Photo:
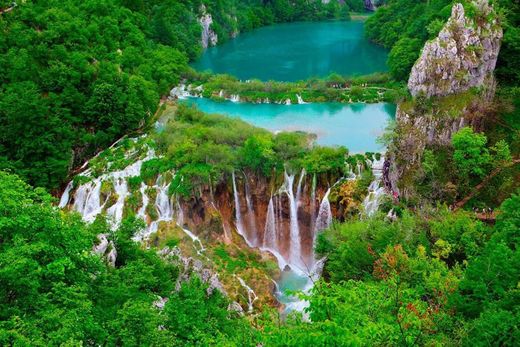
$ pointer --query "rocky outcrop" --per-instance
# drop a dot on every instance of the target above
(463, 55)
(208, 36)
(369, 5)
(414, 135)
(106, 249)
(189, 267)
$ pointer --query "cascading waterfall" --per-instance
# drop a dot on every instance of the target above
(300, 100)
(252, 232)
(238, 213)
(375, 190)
(163, 207)
(251, 296)
(195, 239)
(270, 236)
(66, 195)
(162, 201)
(313, 202)
(299, 188)
(115, 212)
(271, 232)
(278, 211)
(142, 210)
(324, 219)
(295, 240)
(87, 200)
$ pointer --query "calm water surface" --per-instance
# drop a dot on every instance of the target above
(355, 126)
(296, 51)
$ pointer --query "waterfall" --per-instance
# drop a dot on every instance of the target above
(324, 219)
(295, 240)
(238, 213)
(299, 188)
(313, 202)
(163, 207)
(350, 174)
(195, 239)
(375, 190)
(180, 92)
(115, 212)
(279, 219)
(87, 200)
(300, 100)
(250, 214)
(87, 197)
(287, 102)
(270, 236)
(234, 98)
(142, 210)
(271, 232)
(66, 195)
(162, 201)
(251, 296)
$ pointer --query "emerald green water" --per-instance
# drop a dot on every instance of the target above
(355, 126)
(296, 51)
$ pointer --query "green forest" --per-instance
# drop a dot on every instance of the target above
(85, 96)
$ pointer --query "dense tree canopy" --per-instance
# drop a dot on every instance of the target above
(77, 75)
(69, 296)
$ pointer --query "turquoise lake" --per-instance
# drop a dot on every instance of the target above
(355, 126)
(296, 51)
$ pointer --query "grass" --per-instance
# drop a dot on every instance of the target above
(378, 87)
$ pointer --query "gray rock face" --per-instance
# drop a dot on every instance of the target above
(192, 267)
(208, 36)
(369, 5)
(106, 249)
(235, 307)
(462, 56)
(418, 133)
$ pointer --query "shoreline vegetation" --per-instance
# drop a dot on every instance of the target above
(373, 88)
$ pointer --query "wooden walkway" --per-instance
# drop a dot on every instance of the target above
(459, 204)
(9, 9)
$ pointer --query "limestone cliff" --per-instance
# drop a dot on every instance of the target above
(208, 36)
(463, 55)
(442, 82)
(369, 5)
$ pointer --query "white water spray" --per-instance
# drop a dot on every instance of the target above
(251, 296)
(375, 191)
(324, 219)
